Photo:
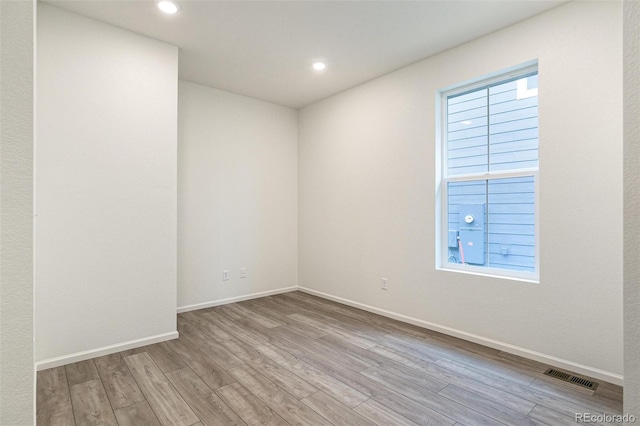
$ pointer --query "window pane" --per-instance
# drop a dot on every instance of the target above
(467, 133)
(492, 223)
(466, 222)
(511, 223)
(494, 128)
(513, 125)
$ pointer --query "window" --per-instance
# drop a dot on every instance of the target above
(488, 194)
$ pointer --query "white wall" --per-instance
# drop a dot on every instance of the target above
(367, 194)
(17, 23)
(631, 207)
(237, 196)
(106, 181)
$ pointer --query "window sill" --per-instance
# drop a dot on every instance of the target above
(527, 277)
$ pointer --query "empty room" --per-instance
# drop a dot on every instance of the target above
(320, 212)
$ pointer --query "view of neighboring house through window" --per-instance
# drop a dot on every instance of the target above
(489, 176)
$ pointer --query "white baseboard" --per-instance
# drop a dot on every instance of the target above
(495, 344)
(105, 350)
(235, 299)
(596, 373)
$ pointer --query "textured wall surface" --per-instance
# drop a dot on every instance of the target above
(237, 195)
(632, 207)
(367, 193)
(106, 182)
(16, 212)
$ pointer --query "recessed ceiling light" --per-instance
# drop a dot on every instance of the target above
(467, 122)
(167, 6)
(319, 66)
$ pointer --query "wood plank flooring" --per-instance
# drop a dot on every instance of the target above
(296, 359)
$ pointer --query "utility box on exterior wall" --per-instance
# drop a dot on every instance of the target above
(471, 223)
(453, 239)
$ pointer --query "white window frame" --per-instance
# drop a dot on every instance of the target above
(442, 216)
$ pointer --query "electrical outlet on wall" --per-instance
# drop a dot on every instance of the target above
(383, 283)
(225, 275)
(243, 272)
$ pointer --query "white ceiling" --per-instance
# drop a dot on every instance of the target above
(264, 49)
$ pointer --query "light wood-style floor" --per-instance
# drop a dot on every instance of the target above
(295, 359)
